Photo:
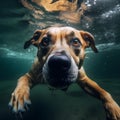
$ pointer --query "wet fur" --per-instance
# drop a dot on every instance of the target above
(59, 35)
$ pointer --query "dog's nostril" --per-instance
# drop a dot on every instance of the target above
(59, 62)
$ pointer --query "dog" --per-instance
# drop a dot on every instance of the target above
(59, 63)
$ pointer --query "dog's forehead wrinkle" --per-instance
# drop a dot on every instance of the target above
(54, 30)
(71, 33)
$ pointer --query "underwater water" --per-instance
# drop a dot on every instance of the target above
(17, 24)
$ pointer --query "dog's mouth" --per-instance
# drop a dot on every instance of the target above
(60, 71)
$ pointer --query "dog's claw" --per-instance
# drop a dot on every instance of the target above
(27, 102)
(27, 107)
(19, 101)
(9, 106)
(21, 108)
(20, 114)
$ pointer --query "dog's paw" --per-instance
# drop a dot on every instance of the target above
(112, 110)
(20, 100)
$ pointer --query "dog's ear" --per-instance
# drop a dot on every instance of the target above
(33, 40)
(89, 39)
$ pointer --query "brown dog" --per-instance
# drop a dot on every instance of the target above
(61, 51)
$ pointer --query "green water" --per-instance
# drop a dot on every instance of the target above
(73, 105)
(58, 105)
(17, 25)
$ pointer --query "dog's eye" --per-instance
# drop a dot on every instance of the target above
(45, 42)
(75, 42)
(36, 36)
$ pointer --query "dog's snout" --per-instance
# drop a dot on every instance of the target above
(59, 63)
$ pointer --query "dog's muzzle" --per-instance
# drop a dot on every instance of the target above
(60, 71)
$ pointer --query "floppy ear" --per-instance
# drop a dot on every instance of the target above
(89, 39)
(32, 41)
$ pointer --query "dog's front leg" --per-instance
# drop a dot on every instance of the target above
(20, 97)
(111, 107)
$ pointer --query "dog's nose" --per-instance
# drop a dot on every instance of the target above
(59, 63)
